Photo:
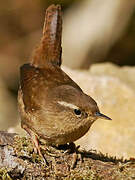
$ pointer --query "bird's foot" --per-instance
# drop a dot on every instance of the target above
(50, 150)
(71, 148)
(76, 155)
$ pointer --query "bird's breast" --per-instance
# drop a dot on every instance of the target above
(69, 134)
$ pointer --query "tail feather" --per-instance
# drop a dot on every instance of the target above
(49, 50)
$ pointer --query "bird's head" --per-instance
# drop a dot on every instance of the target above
(73, 105)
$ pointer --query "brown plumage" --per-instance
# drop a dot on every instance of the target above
(52, 106)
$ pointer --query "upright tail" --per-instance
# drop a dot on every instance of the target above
(49, 50)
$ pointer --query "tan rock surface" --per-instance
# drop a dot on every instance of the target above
(8, 116)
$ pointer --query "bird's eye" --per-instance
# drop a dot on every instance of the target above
(77, 112)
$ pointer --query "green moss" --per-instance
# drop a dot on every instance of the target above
(95, 165)
(4, 174)
(89, 175)
(36, 158)
(22, 146)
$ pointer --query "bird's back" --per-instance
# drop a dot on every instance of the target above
(36, 83)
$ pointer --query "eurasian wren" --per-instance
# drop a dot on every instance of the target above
(52, 106)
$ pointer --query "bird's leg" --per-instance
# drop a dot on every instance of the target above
(71, 148)
(76, 155)
(35, 142)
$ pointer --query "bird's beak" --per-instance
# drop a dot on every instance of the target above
(100, 115)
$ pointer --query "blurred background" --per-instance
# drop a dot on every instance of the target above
(94, 32)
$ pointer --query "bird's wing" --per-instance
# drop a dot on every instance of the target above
(31, 86)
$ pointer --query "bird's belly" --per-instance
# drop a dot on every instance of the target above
(68, 135)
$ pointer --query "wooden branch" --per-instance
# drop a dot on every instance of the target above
(18, 161)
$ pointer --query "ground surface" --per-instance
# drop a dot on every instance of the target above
(18, 161)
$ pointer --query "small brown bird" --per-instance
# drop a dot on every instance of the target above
(52, 106)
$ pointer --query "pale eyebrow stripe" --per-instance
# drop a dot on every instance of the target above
(72, 106)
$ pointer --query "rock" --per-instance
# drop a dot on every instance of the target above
(17, 129)
(113, 88)
(8, 109)
(19, 161)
